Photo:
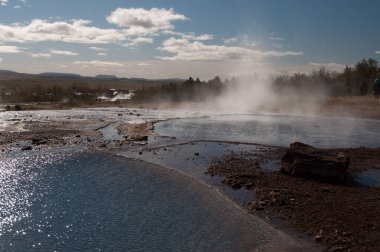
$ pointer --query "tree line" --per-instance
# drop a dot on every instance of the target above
(353, 81)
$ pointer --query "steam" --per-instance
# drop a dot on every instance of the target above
(256, 92)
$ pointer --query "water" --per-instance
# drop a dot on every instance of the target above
(194, 158)
(67, 201)
(276, 130)
(110, 132)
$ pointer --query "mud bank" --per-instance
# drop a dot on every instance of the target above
(340, 216)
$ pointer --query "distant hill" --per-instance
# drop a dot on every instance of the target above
(105, 77)
(8, 74)
(59, 75)
(5, 74)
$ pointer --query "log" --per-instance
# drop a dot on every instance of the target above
(304, 160)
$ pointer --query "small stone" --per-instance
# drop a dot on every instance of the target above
(325, 189)
(318, 238)
(249, 185)
(336, 249)
(196, 153)
(25, 148)
(235, 185)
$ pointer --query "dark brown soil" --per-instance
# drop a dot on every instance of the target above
(340, 215)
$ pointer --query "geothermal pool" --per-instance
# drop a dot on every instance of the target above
(80, 200)
(276, 130)
(83, 201)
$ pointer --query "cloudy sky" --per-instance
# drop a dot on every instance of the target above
(179, 38)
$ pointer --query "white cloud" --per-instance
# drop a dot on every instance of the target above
(102, 54)
(330, 66)
(138, 41)
(143, 64)
(139, 21)
(9, 49)
(98, 49)
(195, 50)
(1, 59)
(136, 26)
(40, 55)
(377, 52)
(4, 2)
(276, 38)
(67, 53)
(98, 63)
(204, 37)
(75, 31)
(17, 7)
(230, 40)
(191, 35)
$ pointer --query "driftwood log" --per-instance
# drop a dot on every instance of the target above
(305, 160)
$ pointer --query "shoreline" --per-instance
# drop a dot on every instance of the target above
(44, 135)
(341, 216)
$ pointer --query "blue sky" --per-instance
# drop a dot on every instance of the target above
(178, 38)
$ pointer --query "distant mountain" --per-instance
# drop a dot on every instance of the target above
(60, 75)
(8, 73)
(173, 80)
(105, 77)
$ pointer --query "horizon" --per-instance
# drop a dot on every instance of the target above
(176, 39)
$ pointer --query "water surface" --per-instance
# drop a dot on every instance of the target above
(276, 130)
(100, 202)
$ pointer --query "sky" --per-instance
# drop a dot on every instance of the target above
(181, 38)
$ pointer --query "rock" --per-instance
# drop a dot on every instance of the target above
(136, 138)
(196, 153)
(318, 238)
(336, 249)
(37, 141)
(325, 189)
(305, 160)
(25, 148)
(249, 185)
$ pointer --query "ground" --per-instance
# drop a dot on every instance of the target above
(342, 215)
